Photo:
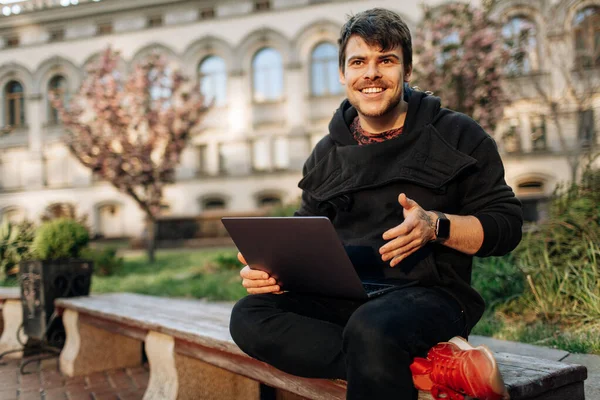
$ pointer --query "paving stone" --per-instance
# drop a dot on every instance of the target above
(8, 394)
(132, 395)
(119, 379)
(55, 394)
(99, 379)
(105, 396)
(30, 395)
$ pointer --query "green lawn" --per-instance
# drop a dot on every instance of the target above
(177, 273)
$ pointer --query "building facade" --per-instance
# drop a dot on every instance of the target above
(270, 68)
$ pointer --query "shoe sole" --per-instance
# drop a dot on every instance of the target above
(497, 383)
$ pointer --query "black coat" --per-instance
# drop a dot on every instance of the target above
(444, 161)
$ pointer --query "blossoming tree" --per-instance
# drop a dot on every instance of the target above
(461, 59)
(131, 131)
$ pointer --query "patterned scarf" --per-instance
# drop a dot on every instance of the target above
(363, 137)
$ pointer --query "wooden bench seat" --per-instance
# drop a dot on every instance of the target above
(192, 355)
(10, 321)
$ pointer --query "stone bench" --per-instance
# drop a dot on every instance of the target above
(10, 321)
(192, 355)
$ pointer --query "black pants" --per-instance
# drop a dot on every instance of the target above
(370, 344)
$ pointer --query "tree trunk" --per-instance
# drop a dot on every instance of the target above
(151, 238)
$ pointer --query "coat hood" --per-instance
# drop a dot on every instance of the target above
(422, 110)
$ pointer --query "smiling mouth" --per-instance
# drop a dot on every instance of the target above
(372, 90)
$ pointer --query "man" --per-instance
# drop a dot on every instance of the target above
(393, 172)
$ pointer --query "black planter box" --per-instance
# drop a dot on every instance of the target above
(41, 283)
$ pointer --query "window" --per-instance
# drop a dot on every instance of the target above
(212, 75)
(15, 104)
(207, 13)
(105, 28)
(12, 42)
(262, 5)
(511, 139)
(267, 74)
(538, 133)
(534, 201)
(56, 87)
(586, 128)
(57, 35)
(324, 70)
(202, 160)
(213, 203)
(451, 48)
(269, 201)
(520, 39)
(586, 26)
(155, 20)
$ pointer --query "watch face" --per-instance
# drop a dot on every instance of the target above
(443, 228)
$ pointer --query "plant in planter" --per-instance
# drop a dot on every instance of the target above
(15, 245)
(56, 270)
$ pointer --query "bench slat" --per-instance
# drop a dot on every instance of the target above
(9, 293)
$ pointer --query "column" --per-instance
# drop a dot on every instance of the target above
(33, 172)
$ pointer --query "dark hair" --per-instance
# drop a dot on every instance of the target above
(380, 27)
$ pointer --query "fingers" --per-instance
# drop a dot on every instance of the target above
(258, 282)
(249, 273)
(406, 203)
(265, 290)
(241, 258)
(403, 229)
(388, 251)
(405, 252)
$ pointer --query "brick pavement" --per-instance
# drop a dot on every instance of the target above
(46, 383)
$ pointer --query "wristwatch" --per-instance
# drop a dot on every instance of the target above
(442, 227)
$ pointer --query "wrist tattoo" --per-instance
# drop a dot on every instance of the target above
(425, 217)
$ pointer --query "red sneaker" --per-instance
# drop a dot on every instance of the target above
(455, 369)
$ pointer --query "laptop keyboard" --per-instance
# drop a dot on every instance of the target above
(371, 287)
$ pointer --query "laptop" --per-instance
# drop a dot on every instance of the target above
(304, 254)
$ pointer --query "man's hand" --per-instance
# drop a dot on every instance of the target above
(255, 281)
(417, 230)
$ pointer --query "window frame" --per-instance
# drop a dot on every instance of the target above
(323, 67)
(53, 117)
(533, 65)
(587, 29)
(19, 114)
(265, 71)
(200, 76)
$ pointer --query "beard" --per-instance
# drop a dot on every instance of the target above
(385, 106)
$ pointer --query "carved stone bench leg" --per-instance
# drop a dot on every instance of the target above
(89, 349)
(12, 314)
(177, 377)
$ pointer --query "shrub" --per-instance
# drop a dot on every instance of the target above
(285, 210)
(106, 262)
(560, 258)
(15, 245)
(497, 279)
(61, 238)
(227, 261)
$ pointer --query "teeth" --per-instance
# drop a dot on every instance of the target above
(372, 90)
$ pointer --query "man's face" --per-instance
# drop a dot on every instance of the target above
(373, 79)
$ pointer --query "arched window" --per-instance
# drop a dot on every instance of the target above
(15, 104)
(520, 38)
(267, 74)
(269, 200)
(213, 203)
(58, 87)
(212, 75)
(586, 28)
(324, 70)
(534, 200)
